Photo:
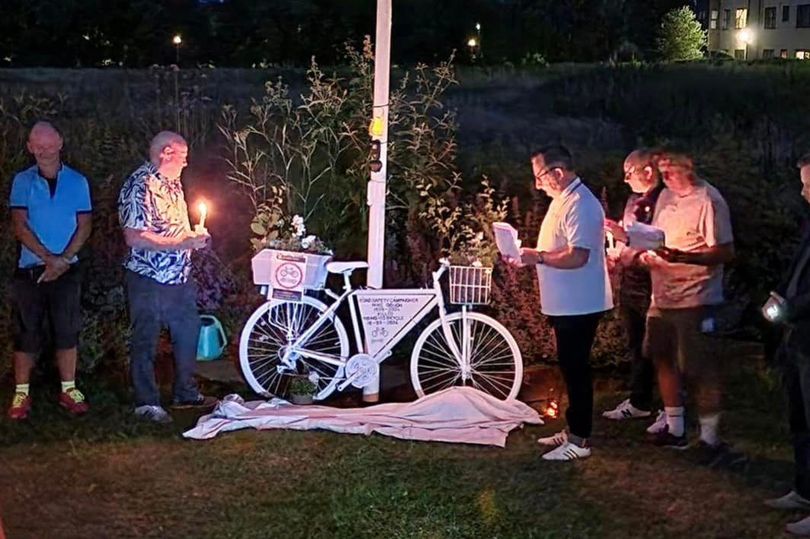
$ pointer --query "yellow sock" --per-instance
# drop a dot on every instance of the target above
(22, 388)
(68, 385)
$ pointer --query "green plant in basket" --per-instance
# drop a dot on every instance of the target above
(473, 249)
(280, 233)
(469, 239)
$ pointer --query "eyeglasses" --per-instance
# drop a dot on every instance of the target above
(544, 172)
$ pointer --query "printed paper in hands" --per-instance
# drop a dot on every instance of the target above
(506, 239)
(641, 236)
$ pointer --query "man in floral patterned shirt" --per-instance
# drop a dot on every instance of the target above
(154, 216)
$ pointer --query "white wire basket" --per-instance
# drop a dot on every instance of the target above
(470, 285)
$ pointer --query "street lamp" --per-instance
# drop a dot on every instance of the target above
(746, 37)
(472, 43)
(177, 40)
(478, 34)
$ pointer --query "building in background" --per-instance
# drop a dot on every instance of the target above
(751, 29)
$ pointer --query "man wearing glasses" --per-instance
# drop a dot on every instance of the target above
(642, 176)
(574, 288)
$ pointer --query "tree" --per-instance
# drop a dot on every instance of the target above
(681, 36)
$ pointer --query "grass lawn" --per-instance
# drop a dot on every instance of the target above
(108, 476)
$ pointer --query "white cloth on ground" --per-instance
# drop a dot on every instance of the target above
(456, 415)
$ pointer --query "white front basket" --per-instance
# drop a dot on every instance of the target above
(266, 261)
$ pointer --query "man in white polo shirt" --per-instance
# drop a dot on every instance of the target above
(574, 287)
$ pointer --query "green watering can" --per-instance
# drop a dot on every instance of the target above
(212, 339)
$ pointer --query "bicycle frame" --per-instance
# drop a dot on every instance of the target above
(351, 294)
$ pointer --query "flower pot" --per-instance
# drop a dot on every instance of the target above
(301, 399)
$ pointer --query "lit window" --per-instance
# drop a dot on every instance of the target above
(713, 20)
(783, 54)
(802, 54)
(770, 18)
(741, 20)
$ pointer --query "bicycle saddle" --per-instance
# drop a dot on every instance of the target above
(345, 267)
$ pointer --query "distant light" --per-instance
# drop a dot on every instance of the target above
(478, 26)
(472, 43)
(178, 39)
(746, 36)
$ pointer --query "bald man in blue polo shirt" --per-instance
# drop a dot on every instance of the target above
(51, 216)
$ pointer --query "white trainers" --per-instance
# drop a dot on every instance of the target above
(555, 440)
(625, 410)
(800, 528)
(791, 501)
(568, 451)
(660, 424)
(155, 414)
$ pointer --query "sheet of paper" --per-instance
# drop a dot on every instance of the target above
(506, 239)
(643, 236)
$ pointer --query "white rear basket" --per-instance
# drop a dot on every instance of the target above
(470, 285)
(265, 262)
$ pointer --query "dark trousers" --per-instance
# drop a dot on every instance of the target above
(151, 307)
(795, 370)
(643, 371)
(575, 336)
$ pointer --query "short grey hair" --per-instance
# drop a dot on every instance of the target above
(161, 141)
(44, 125)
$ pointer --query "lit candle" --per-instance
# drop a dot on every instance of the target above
(203, 211)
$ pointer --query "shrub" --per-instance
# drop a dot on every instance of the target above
(681, 36)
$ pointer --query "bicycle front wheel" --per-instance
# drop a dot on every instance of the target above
(272, 329)
(493, 356)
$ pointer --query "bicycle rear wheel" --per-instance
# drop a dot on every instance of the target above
(269, 332)
(495, 363)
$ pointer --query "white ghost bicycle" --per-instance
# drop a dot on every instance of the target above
(285, 338)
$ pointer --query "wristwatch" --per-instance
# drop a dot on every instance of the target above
(540, 258)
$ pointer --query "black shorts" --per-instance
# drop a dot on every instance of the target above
(59, 301)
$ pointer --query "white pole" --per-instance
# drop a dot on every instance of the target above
(376, 184)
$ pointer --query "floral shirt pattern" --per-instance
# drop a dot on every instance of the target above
(150, 201)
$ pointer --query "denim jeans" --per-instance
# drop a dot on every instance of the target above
(151, 307)
(643, 373)
(794, 365)
(575, 336)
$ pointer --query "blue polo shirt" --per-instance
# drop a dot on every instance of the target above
(52, 217)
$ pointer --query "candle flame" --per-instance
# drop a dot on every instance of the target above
(203, 211)
(553, 409)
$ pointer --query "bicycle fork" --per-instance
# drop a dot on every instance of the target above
(461, 350)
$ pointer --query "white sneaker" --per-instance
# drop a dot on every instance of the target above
(660, 424)
(555, 440)
(568, 451)
(800, 528)
(155, 414)
(792, 501)
(625, 410)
